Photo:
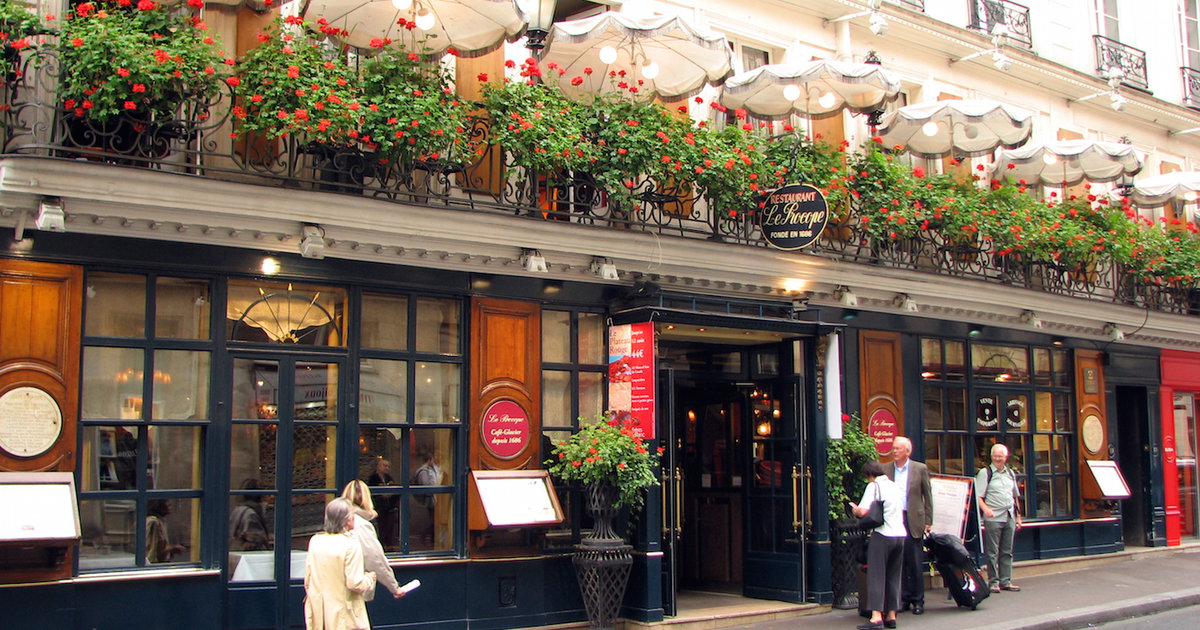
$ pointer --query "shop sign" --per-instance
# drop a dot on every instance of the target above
(631, 376)
(794, 216)
(882, 427)
(505, 429)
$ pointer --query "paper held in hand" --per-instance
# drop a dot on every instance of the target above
(410, 587)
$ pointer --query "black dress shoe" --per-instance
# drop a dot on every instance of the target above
(918, 608)
(871, 626)
(889, 623)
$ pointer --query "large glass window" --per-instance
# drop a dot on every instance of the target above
(574, 365)
(1014, 395)
(141, 465)
(1185, 461)
(410, 418)
(1189, 22)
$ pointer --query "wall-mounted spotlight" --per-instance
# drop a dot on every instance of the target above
(845, 296)
(312, 241)
(50, 215)
(800, 303)
(1113, 332)
(533, 261)
(905, 303)
(1030, 318)
(605, 268)
(849, 314)
(974, 330)
(1058, 342)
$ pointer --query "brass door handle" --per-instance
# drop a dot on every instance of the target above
(796, 497)
(678, 503)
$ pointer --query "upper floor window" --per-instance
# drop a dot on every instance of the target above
(1189, 21)
(1106, 19)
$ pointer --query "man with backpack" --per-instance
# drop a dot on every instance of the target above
(999, 498)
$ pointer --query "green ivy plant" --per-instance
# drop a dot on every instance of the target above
(844, 460)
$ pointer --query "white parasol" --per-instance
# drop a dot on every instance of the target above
(660, 56)
(1160, 190)
(1068, 162)
(815, 89)
(956, 128)
(472, 27)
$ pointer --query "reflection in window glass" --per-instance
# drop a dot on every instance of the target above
(437, 392)
(1044, 411)
(314, 456)
(1041, 366)
(955, 361)
(308, 518)
(430, 517)
(255, 389)
(252, 455)
(170, 535)
(116, 305)
(1002, 364)
(384, 321)
(109, 458)
(109, 534)
(181, 308)
(556, 398)
(316, 391)
(956, 409)
(180, 385)
(1062, 413)
(437, 326)
(931, 359)
(591, 394)
(556, 336)
(591, 339)
(933, 453)
(383, 387)
(933, 409)
(112, 383)
(1062, 369)
(251, 538)
(175, 458)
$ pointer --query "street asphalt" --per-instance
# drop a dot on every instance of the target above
(1132, 586)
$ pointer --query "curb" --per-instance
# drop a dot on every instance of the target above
(1094, 615)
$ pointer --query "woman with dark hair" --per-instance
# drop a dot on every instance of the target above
(334, 579)
(158, 544)
(885, 551)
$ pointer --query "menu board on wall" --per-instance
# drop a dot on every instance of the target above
(951, 503)
(631, 375)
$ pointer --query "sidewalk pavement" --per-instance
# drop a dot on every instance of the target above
(1134, 585)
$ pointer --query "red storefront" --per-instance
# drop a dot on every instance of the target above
(1180, 403)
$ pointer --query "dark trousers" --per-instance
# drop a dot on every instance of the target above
(884, 557)
(912, 583)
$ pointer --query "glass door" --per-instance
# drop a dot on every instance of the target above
(283, 463)
(776, 496)
(672, 479)
(1185, 462)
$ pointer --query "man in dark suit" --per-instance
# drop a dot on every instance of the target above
(913, 477)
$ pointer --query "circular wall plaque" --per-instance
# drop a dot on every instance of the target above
(30, 421)
(505, 429)
(1093, 434)
(794, 216)
(882, 427)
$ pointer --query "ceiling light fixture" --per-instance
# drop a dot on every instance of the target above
(533, 261)
(50, 217)
(1030, 318)
(845, 296)
(312, 241)
(605, 268)
(1113, 332)
(974, 330)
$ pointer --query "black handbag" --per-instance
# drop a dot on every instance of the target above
(874, 516)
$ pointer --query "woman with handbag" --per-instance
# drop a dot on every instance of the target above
(880, 511)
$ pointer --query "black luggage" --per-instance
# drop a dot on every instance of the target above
(958, 570)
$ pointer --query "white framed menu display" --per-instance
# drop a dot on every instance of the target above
(514, 498)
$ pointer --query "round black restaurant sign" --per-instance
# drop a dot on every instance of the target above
(794, 216)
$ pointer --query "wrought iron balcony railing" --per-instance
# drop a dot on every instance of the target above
(987, 14)
(197, 142)
(1113, 54)
(1191, 87)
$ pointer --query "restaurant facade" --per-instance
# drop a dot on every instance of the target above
(228, 348)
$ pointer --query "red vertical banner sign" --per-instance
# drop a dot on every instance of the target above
(631, 375)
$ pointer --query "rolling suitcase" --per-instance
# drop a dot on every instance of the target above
(958, 570)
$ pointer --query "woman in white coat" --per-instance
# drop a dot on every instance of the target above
(334, 578)
(359, 495)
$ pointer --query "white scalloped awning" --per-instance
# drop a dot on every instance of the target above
(687, 58)
(968, 128)
(1161, 189)
(1068, 162)
(817, 88)
(472, 27)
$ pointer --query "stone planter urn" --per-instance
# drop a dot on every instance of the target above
(602, 559)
